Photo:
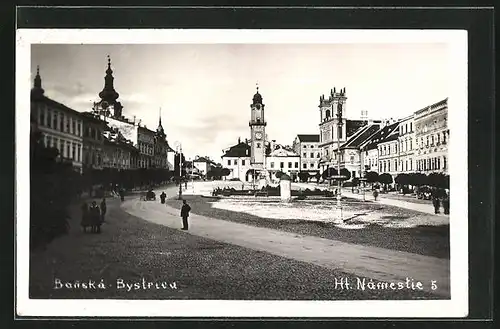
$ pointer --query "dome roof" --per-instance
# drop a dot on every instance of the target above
(257, 98)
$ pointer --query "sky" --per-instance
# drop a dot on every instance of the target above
(205, 90)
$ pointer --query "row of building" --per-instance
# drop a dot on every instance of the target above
(100, 138)
(416, 143)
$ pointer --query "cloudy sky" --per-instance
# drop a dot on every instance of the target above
(205, 90)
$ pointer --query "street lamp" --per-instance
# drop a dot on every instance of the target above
(339, 181)
(178, 147)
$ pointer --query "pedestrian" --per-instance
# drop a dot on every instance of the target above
(122, 194)
(375, 194)
(163, 196)
(435, 200)
(446, 202)
(95, 218)
(185, 214)
(85, 217)
(103, 209)
(186, 184)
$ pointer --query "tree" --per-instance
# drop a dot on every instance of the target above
(385, 179)
(371, 177)
(346, 173)
(329, 172)
(225, 172)
(303, 176)
(278, 174)
(438, 180)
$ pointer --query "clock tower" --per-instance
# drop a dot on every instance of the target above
(257, 132)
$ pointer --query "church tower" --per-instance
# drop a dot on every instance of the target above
(257, 132)
(108, 105)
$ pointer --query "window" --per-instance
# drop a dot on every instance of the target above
(411, 164)
(427, 141)
(68, 150)
(272, 164)
(388, 166)
(444, 162)
(282, 164)
(258, 145)
(411, 127)
(304, 155)
(312, 146)
(304, 165)
(311, 165)
(411, 145)
(438, 163)
(327, 113)
(432, 139)
(352, 158)
(228, 162)
(289, 165)
(438, 138)
(396, 165)
(312, 155)
(61, 123)
(42, 117)
(444, 137)
(74, 127)
(74, 152)
(242, 162)
(49, 120)
(318, 155)
(305, 146)
(296, 164)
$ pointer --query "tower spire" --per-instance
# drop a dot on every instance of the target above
(108, 93)
(37, 89)
(160, 129)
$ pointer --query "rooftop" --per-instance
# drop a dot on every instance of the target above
(308, 138)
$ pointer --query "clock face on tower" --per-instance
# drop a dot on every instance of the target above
(258, 135)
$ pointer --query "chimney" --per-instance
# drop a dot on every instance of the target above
(239, 140)
(273, 143)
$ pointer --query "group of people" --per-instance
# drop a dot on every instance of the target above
(440, 197)
(93, 216)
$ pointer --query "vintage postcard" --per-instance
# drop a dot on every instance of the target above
(241, 173)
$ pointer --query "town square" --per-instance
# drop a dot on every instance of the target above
(240, 172)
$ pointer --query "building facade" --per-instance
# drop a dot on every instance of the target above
(61, 126)
(351, 154)
(307, 147)
(162, 149)
(119, 153)
(388, 153)
(237, 159)
(406, 142)
(284, 160)
(432, 138)
(93, 141)
(369, 149)
(203, 165)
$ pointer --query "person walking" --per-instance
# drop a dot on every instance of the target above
(435, 200)
(375, 194)
(103, 209)
(163, 196)
(95, 218)
(185, 214)
(85, 217)
(446, 202)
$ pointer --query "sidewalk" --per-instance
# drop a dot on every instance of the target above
(376, 263)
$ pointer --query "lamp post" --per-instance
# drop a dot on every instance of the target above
(178, 147)
(339, 132)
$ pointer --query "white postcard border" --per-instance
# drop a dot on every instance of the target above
(457, 306)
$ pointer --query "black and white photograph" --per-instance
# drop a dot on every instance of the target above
(253, 173)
